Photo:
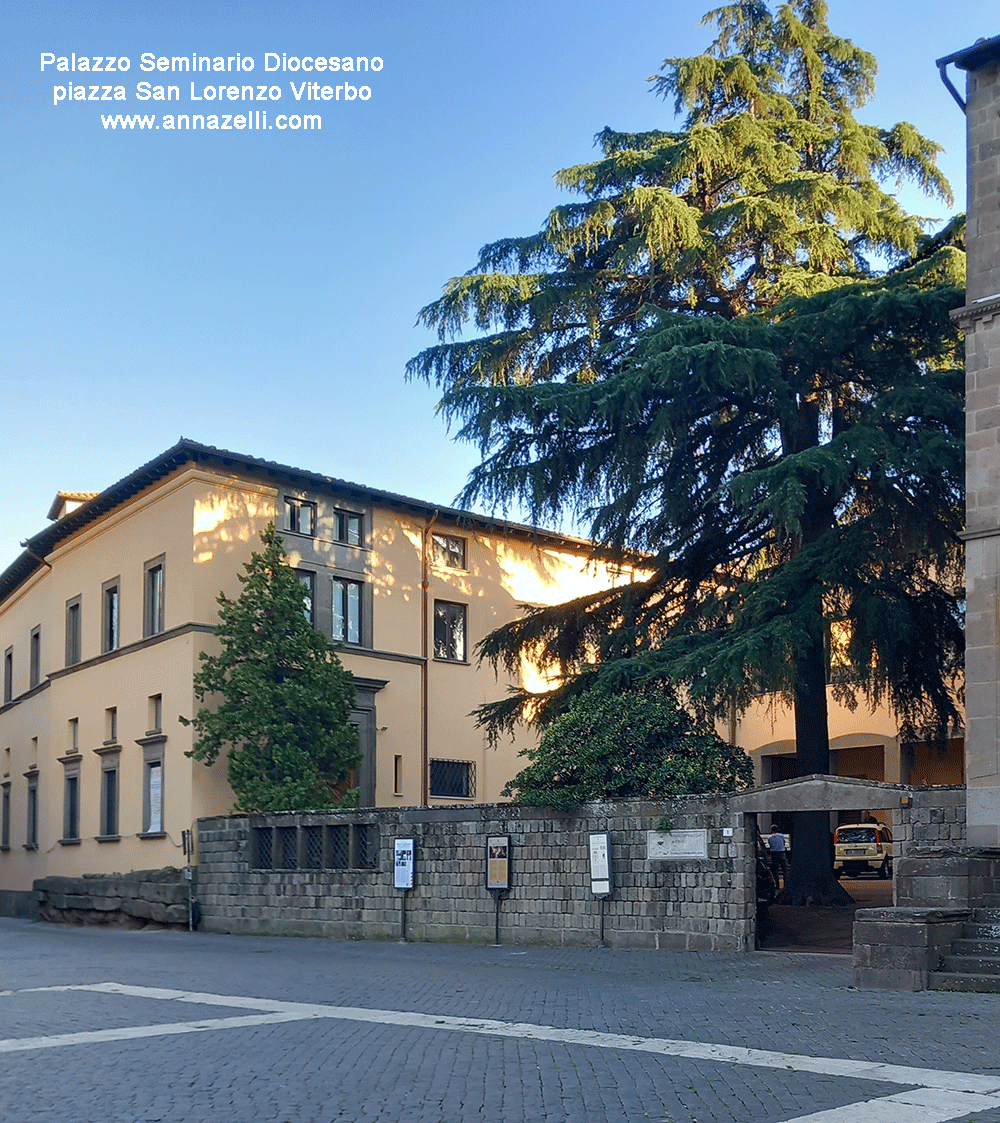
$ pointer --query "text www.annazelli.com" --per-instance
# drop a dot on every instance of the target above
(253, 121)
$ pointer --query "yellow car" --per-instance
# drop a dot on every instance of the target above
(860, 847)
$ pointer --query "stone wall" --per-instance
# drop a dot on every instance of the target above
(121, 900)
(980, 320)
(934, 817)
(898, 948)
(697, 903)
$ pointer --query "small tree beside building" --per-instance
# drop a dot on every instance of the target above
(282, 699)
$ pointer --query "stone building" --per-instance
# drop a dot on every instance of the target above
(980, 320)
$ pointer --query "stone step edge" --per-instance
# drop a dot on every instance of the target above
(952, 980)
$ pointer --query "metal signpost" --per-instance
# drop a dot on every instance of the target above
(403, 877)
(187, 843)
(498, 872)
(600, 872)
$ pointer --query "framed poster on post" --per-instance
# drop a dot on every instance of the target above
(403, 863)
(498, 863)
(600, 864)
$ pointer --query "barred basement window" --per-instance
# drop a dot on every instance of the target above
(453, 779)
(288, 858)
(367, 846)
(260, 858)
(314, 848)
(340, 847)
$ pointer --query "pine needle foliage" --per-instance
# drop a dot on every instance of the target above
(283, 697)
(771, 188)
(733, 354)
(636, 744)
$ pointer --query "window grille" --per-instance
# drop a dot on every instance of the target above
(314, 848)
(453, 779)
(340, 847)
(367, 846)
(262, 836)
(288, 838)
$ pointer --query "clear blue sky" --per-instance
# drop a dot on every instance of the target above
(259, 290)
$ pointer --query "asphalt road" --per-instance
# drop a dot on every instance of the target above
(163, 1027)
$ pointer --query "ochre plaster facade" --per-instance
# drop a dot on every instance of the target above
(197, 514)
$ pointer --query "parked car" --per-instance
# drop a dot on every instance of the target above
(861, 847)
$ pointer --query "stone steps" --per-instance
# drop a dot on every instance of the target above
(974, 945)
(959, 980)
(972, 964)
(974, 961)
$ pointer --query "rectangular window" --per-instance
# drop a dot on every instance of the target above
(111, 725)
(453, 779)
(31, 828)
(8, 675)
(397, 775)
(346, 611)
(300, 516)
(35, 657)
(308, 580)
(448, 550)
(71, 807)
(109, 798)
(154, 713)
(153, 605)
(449, 631)
(347, 528)
(110, 616)
(153, 798)
(5, 817)
(72, 631)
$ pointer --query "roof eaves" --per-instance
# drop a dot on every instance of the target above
(972, 58)
(37, 547)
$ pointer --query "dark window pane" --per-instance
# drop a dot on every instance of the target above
(449, 631)
(453, 779)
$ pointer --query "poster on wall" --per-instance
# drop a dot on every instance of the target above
(498, 863)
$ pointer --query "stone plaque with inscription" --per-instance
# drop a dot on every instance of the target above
(676, 844)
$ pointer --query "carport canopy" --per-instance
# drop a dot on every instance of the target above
(821, 793)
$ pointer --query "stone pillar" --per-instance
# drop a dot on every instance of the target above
(980, 320)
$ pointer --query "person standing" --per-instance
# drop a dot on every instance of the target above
(779, 857)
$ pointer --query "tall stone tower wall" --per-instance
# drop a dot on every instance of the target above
(980, 319)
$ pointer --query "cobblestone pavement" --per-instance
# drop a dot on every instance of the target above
(157, 1027)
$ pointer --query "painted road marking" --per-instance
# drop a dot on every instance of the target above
(933, 1095)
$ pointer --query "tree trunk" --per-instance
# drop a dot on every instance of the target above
(811, 881)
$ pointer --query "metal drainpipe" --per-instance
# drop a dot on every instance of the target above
(425, 662)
